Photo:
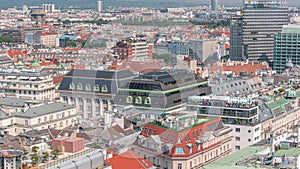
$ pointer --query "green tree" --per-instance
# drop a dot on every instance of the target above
(71, 43)
(45, 156)
(35, 159)
(55, 153)
(35, 149)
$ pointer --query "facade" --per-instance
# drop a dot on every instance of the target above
(162, 90)
(45, 38)
(18, 35)
(260, 21)
(202, 50)
(133, 48)
(183, 140)
(286, 47)
(236, 39)
(243, 115)
(241, 86)
(28, 85)
(11, 159)
(49, 8)
(99, 6)
(40, 116)
(92, 91)
(214, 5)
(38, 15)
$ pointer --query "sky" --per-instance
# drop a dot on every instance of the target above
(137, 3)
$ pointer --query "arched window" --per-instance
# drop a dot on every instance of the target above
(96, 88)
(72, 86)
(79, 86)
(88, 87)
(104, 88)
(148, 100)
(138, 100)
(129, 99)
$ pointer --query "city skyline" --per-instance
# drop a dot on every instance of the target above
(126, 3)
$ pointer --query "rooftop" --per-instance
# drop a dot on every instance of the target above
(231, 160)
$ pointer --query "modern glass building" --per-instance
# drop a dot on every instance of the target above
(261, 19)
(286, 47)
(214, 5)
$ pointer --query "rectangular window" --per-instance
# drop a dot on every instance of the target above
(237, 129)
(179, 166)
(237, 147)
(154, 132)
(149, 131)
(237, 138)
(145, 129)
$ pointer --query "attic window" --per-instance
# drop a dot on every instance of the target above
(148, 100)
(129, 99)
(88, 87)
(96, 88)
(79, 86)
(179, 150)
(138, 100)
(72, 86)
(104, 89)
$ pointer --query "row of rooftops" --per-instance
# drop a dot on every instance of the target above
(31, 108)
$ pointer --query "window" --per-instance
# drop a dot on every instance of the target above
(166, 164)
(249, 140)
(257, 129)
(237, 129)
(129, 99)
(104, 89)
(79, 86)
(172, 138)
(72, 86)
(138, 100)
(39, 120)
(237, 138)
(148, 100)
(149, 131)
(154, 132)
(96, 88)
(88, 87)
(168, 135)
(145, 129)
(179, 150)
(249, 131)
(237, 147)
(179, 166)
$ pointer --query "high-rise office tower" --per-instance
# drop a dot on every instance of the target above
(286, 47)
(214, 5)
(99, 5)
(260, 20)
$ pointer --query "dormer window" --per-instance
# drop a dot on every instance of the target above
(104, 89)
(129, 99)
(148, 100)
(79, 86)
(138, 100)
(96, 88)
(190, 148)
(88, 87)
(72, 86)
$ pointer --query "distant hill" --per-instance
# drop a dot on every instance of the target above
(124, 3)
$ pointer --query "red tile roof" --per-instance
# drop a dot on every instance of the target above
(129, 160)
(236, 68)
(186, 137)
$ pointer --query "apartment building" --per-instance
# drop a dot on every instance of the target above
(183, 140)
(45, 38)
(37, 116)
(27, 84)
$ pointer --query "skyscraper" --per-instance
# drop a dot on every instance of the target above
(286, 47)
(260, 20)
(99, 5)
(214, 5)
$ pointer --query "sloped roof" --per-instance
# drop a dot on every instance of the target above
(129, 159)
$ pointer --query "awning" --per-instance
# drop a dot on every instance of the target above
(24, 77)
(11, 77)
(32, 78)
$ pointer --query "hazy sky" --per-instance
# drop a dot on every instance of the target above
(147, 3)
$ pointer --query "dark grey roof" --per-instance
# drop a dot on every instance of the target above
(32, 133)
(111, 79)
(44, 109)
(16, 102)
(3, 115)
